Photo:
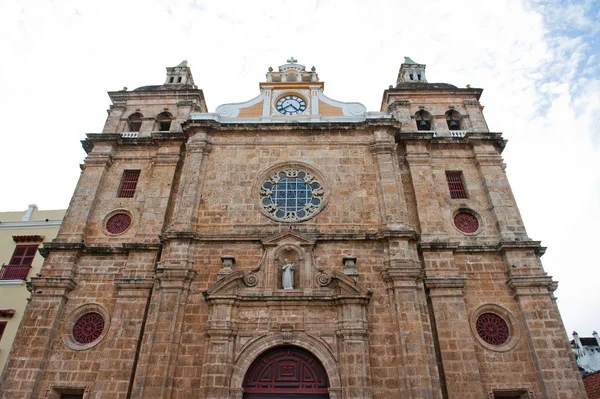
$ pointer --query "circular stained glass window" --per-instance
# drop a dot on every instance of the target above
(492, 329)
(291, 195)
(88, 328)
(466, 222)
(118, 223)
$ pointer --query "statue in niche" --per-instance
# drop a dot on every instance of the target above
(287, 275)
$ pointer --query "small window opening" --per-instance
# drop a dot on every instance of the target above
(134, 122)
(129, 183)
(423, 119)
(419, 76)
(412, 77)
(172, 79)
(2, 328)
(179, 79)
(164, 122)
(456, 184)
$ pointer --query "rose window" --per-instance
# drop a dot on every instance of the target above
(492, 329)
(291, 195)
(118, 223)
(88, 328)
(466, 222)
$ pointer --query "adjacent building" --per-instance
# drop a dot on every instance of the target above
(21, 235)
(293, 245)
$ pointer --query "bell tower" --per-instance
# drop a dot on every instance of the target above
(411, 71)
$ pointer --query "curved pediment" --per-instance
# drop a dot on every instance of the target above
(235, 284)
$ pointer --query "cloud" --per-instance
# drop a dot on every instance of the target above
(536, 61)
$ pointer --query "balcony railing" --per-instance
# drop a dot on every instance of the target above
(14, 272)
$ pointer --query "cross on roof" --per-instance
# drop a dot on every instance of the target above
(292, 60)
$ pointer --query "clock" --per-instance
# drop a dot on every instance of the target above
(291, 105)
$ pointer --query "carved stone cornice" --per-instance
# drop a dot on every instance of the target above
(134, 283)
(52, 286)
(382, 147)
(174, 278)
(505, 246)
(446, 286)
(534, 285)
(438, 245)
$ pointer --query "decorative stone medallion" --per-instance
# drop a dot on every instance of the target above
(291, 195)
(466, 222)
(492, 329)
(118, 223)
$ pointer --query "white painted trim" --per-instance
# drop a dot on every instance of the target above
(302, 119)
(11, 282)
(29, 224)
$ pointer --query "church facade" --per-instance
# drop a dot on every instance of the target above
(293, 246)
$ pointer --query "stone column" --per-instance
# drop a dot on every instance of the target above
(417, 373)
(84, 198)
(42, 320)
(118, 363)
(552, 354)
(491, 168)
(188, 196)
(392, 201)
(459, 363)
(160, 346)
(354, 355)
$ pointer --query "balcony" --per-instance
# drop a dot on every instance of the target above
(14, 272)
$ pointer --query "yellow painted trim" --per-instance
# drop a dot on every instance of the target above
(329, 110)
(251, 111)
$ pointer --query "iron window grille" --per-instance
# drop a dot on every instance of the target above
(129, 183)
(456, 184)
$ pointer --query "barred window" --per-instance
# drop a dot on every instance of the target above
(128, 183)
(456, 184)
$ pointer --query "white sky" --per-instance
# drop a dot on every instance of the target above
(536, 60)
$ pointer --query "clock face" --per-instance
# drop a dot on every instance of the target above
(291, 105)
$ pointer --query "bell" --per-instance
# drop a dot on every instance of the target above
(423, 125)
(453, 125)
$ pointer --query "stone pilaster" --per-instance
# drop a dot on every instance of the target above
(160, 346)
(85, 195)
(491, 168)
(552, 354)
(428, 206)
(392, 200)
(353, 337)
(115, 114)
(188, 196)
(417, 369)
(158, 191)
(42, 320)
(477, 121)
(219, 352)
(118, 364)
(459, 363)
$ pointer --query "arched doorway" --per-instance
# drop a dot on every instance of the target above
(286, 372)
